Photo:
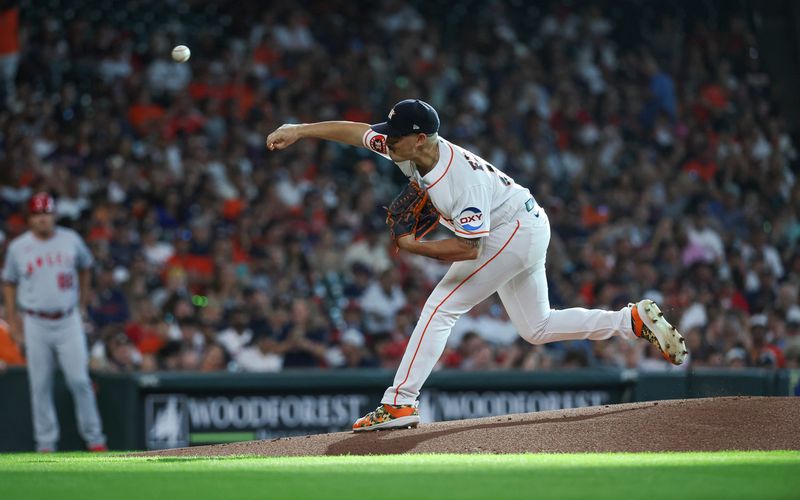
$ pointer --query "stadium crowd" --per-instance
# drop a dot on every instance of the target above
(650, 138)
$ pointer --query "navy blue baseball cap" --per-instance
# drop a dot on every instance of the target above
(411, 116)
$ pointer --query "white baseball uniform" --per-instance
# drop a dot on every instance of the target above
(45, 272)
(476, 200)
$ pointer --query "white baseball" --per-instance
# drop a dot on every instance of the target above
(181, 53)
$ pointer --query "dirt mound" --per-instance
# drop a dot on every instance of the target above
(709, 424)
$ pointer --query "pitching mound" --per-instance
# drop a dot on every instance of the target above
(710, 424)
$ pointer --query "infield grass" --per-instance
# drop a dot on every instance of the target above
(616, 475)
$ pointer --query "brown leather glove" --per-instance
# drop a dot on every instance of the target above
(411, 212)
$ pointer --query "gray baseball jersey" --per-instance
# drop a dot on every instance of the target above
(45, 271)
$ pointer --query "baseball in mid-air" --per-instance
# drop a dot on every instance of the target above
(181, 53)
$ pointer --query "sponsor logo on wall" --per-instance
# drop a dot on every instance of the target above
(287, 412)
(177, 420)
(436, 406)
(166, 421)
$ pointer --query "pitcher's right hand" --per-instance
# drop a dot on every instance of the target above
(283, 137)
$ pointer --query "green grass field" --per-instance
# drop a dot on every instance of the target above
(663, 475)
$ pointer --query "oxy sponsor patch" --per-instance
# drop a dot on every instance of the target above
(470, 218)
(378, 143)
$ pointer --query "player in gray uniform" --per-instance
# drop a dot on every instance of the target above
(43, 271)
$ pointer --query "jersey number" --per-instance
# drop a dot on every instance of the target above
(64, 281)
(477, 164)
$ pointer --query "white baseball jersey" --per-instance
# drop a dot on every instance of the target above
(471, 195)
(45, 271)
(476, 200)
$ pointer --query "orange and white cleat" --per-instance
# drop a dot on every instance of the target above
(388, 417)
(648, 322)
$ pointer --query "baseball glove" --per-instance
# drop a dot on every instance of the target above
(411, 212)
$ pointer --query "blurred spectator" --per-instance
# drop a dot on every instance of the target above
(352, 352)
(109, 306)
(381, 300)
(192, 345)
(390, 347)
(198, 266)
(165, 76)
(353, 318)
(475, 353)
(574, 359)
(157, 252)
(489, 320)
(736, 357)
(168, 357)
(519, 356)
(115, 353)
(214, 357)
(370, 251)
(360, 280)
(9, 50)
(764, 353)
(652, 361)
(304, 342)
(9, 351)
(295, 35)
(238, 334)
(791, 332)
(792, 354)
(148, 333)
(263, 355)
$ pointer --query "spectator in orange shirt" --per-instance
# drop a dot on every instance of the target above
(702, 165)
(147, 331)
(763, 352)
(197, 264)
(9, 351)
(144, 112)
(9, 48)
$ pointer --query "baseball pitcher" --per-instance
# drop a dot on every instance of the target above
(46, 278)
(499, 243)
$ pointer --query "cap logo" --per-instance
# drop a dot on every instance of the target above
(415, 127)
(391, 113)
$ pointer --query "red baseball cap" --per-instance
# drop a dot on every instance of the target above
(41, 203)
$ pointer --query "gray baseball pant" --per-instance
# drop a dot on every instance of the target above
(63, 340)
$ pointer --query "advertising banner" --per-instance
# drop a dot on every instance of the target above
(196, 414)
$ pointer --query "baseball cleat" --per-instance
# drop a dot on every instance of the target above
(388, 417)
(648, 322)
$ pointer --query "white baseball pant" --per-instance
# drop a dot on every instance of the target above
(511, 263)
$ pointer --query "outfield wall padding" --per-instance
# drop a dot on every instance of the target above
(168, 410)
